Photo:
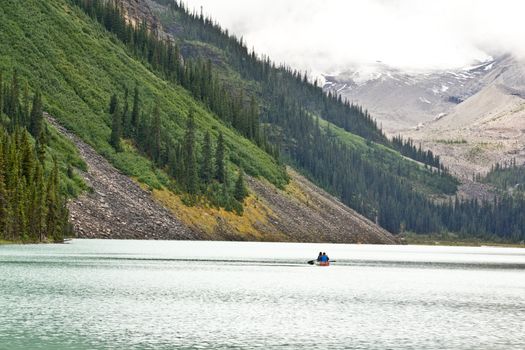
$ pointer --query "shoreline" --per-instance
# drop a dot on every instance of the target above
(458, 243)
(410, 240)
(2, 242)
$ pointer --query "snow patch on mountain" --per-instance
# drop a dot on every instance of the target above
(402, 99)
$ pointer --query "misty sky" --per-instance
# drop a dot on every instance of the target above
(325, 36)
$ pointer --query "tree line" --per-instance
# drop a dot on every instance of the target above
(32, 206)
(199, 166)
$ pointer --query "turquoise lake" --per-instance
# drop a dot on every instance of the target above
(109, 294)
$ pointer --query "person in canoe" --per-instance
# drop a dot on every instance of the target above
(325, 260)
(322, 260)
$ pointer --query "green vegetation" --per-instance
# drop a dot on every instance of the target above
(407, 148)
(194, 170)
(353, 160)
(78, 65)
(32, 204)
(506, 177)
(196, 76)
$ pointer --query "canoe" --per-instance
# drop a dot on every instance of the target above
(319, 263)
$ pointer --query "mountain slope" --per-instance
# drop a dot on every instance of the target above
(354, 161)
(402, 100)
(489, 124)
(78, 65)
(116, 207)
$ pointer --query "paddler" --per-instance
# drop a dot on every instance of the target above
(324, 259)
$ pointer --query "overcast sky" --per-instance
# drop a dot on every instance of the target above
(325, 36)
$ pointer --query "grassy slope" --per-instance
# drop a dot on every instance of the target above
(78, 65)
(423, 179)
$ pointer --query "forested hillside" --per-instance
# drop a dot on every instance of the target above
(346, 153)
(152, 124)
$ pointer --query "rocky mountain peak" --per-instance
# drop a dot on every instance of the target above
(138, 11)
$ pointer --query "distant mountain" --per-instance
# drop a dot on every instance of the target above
(490, 123)
(400, 99)
(472, 117)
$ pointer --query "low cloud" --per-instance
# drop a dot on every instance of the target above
(325, 36)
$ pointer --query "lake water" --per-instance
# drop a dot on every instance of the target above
(95, 294)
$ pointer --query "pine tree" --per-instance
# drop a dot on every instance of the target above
(3, 191)
(37, 204)
(220, 167)
(27, 158)
(253, 122)
(126, 117)
(136, 110)
(27, 200)
(36, 118)
(24, 118)
(1, 95)
(52, 205)
(14, 104)
(113, 104)
(240, 188)
(207, 161)
(22, 222)
(41, 147)
(116, 129)
(65, 228)
(155, 135)
(190, 164)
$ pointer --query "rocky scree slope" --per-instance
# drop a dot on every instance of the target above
(116, 207)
